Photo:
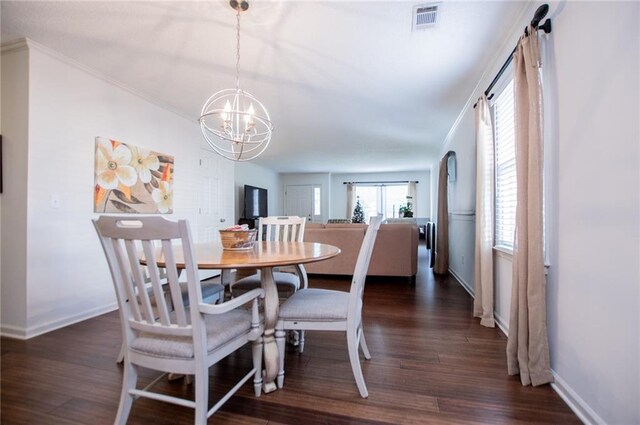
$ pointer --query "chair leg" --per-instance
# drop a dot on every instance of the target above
(202, 396)
(301, 345)
(280, 341)
(256, 349)
(363, 345)
(129, 381)
(120, 358)
(352, 344)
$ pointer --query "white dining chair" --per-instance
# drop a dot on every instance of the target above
(328, 310)
(173, 338)
(285, 228)
(212, 292)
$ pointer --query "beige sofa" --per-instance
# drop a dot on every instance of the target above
(395, 252)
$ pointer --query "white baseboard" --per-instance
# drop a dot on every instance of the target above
(22, 333)
(575, 402)
(501, 323)
(582, 410)
(15, 332)
(462, 282)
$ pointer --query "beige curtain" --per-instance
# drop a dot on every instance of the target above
(527, 345)
(411, 191)
(351, 200)
(483, 302)
(442, 226)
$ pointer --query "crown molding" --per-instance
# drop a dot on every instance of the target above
(492, 69)
(26, 43)
(16, 45)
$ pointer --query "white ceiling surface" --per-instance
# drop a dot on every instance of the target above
(349, 86)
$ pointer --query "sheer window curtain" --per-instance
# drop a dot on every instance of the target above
(527, 345)
(442, 226)
(483, 302)
(351, 200)
(411, 191)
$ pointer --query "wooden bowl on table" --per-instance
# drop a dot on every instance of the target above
(238, 240)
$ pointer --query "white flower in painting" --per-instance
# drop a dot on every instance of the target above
(112, 166)
(163, 197)
(144, 163)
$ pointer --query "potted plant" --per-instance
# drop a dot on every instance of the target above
(405, 210)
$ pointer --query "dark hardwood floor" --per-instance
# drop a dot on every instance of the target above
(432, 364)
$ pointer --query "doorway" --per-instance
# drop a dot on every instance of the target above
(304, 201)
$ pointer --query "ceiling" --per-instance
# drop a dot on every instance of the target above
(348, 85)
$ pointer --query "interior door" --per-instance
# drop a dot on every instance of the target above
(214, 200)
(300, 200)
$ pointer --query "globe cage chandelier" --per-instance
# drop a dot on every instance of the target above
(234, 123)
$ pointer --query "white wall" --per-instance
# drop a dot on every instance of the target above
(0, 194)
(313, 179)
(256, 175)
(461, 199)
(15, 92)
(593, 291)
(66, 274)
(592, 96)
(339, 190)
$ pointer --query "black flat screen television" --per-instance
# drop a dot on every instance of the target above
(255, 202)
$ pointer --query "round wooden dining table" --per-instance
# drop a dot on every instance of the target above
(264, 256)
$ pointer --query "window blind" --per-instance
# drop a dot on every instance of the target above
(505, 157)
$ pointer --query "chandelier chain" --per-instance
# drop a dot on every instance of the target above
(238, 48)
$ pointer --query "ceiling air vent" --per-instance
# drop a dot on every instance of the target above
(425, 16)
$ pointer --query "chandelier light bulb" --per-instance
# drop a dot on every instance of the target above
(227, 110)
(248, 118)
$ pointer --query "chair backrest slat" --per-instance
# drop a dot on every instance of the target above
(173, 282)
(137, 275)
(123, 275)
(362, 263)
(154, 279)
(282, 228)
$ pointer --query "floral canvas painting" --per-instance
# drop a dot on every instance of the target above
(131, 180)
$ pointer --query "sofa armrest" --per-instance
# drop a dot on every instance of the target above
(396, 251)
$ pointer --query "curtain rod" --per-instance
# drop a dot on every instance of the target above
(382, 182)
(541, 12)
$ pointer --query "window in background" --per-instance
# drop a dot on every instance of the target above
(385, 199)
(369, 197)
(316, 201)
(395, 197)
(505, 164)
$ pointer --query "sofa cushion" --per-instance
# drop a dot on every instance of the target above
(401, 221)
(346, 225)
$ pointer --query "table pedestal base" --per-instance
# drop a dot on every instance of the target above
(271, 310)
